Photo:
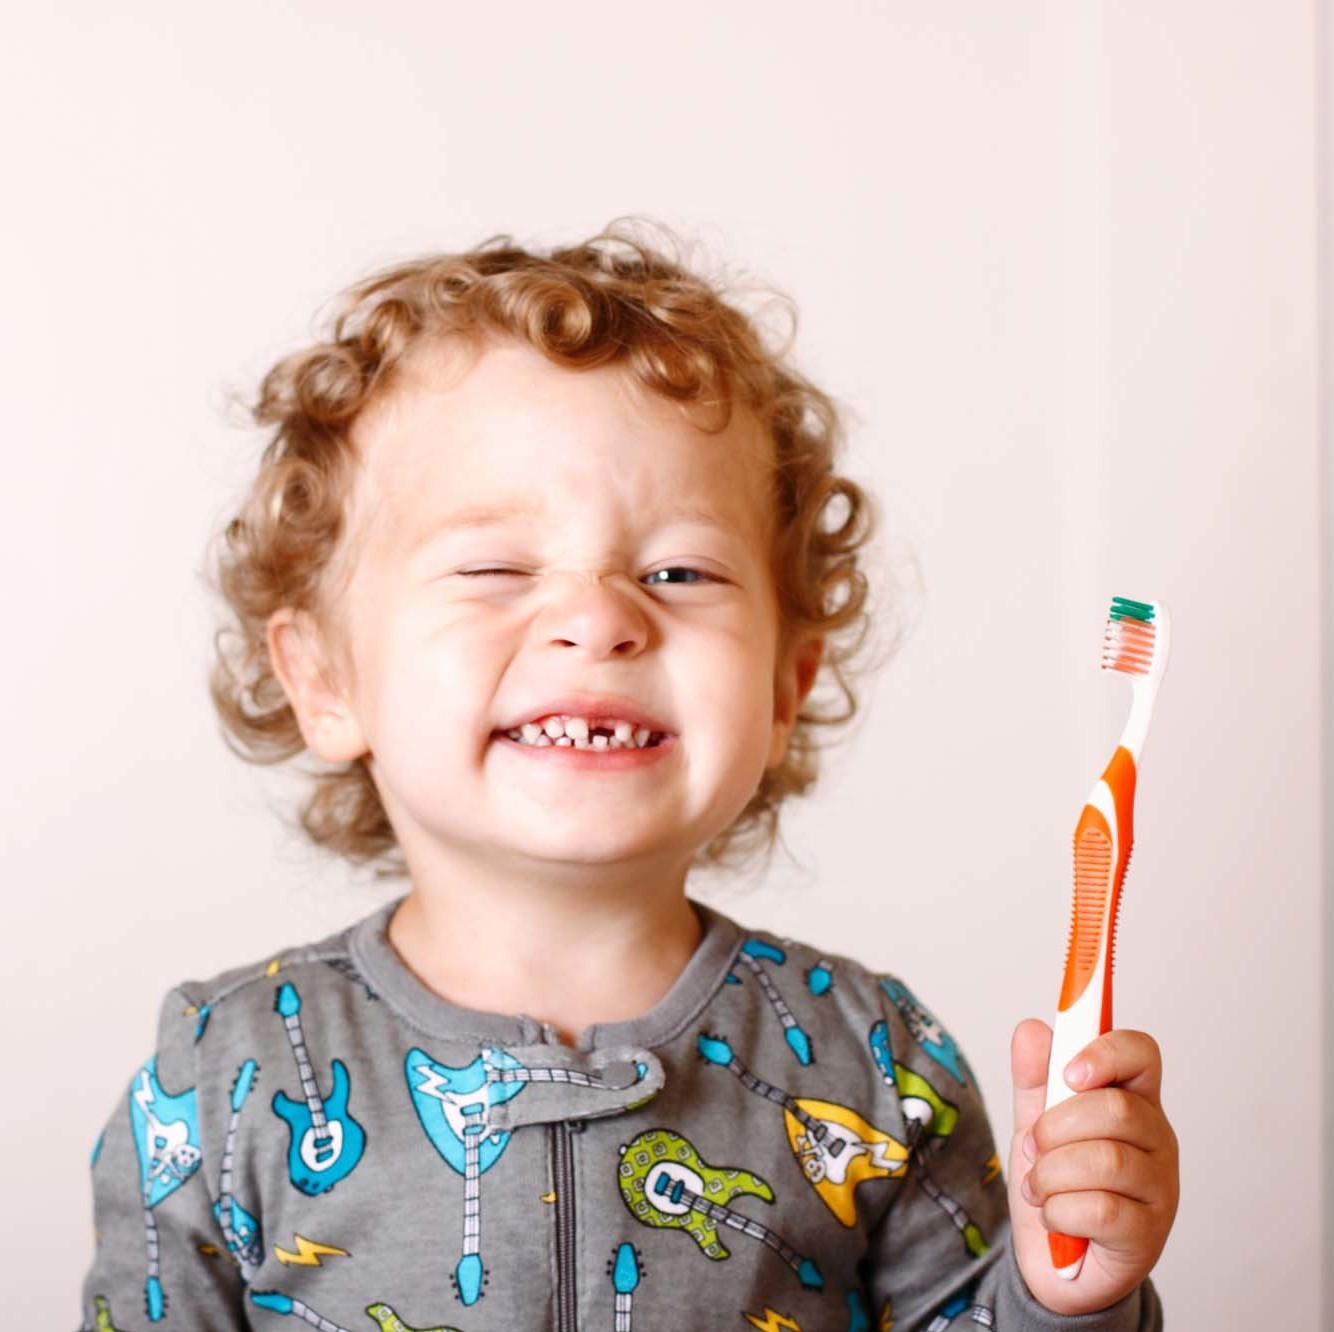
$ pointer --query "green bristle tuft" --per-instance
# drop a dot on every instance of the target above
(1125, 609)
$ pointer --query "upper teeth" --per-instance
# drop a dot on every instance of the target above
(575, 731)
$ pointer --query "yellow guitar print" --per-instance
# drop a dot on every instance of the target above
(836, 1148)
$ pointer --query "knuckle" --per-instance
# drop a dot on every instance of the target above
(1112, 1160)
(1120, 1107)
(1106, 1211)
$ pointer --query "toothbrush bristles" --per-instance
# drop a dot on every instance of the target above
(1125, 608)
(1128, 642)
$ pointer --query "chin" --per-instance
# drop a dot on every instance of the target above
(593, 850)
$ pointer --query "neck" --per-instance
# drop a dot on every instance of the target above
(571, 958)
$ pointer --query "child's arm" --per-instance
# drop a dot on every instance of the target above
(160, 1252)
(946, 1245)
(1104, 1165)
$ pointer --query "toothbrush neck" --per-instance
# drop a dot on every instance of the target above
(1137, 725)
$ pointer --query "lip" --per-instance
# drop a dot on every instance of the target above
(596, 707)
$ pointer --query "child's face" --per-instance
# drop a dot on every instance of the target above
(447, 656)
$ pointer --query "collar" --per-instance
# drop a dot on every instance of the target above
(433, 1015)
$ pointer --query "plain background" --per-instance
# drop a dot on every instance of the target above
(1058, 260)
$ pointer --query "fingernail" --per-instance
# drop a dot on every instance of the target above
(1026, 1188)
(1030, 1148)
(1076, 1073)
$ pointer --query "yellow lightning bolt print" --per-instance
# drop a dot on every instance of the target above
(308, 1253)
(992, 1168)
(773, 1322)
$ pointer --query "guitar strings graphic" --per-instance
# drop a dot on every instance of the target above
(678, 1193)
(291, 1016)
(153, 1285)
(463, 1090)
(248, 1248)
(472, 1200)
(289, 1307)
(798, 1040)
(554, 1074)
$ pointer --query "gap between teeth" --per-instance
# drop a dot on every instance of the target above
(574, 733)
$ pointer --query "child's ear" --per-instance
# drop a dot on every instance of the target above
(792, 683)
(327, 722)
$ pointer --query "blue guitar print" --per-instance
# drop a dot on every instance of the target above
(452, 1104)
(625, 1274)
(927, 1031)
(239, 1228)
(166, 1138)
(326, 1141)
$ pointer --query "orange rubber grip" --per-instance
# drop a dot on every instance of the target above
(1095, 878)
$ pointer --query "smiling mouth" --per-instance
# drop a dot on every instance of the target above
(600, 740)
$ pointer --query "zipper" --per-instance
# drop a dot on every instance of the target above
(567, 1307)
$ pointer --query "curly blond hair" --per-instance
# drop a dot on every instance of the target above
(613, 300)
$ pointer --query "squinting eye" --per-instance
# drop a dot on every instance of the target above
(675, 568)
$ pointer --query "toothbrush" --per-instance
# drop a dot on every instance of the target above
(1136, 643)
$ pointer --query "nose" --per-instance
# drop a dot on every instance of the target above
(597, 612)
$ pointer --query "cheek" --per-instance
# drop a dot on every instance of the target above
(732, 689)
(429, 684)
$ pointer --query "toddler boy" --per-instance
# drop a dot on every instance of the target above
(545, 1088)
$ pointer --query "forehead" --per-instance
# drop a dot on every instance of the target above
(466, 429)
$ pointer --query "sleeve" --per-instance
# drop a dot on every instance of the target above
(942, 1256)
(160, 1253)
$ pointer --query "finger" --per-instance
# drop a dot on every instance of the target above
(1112, 1167)
(1105, 1113)
(1115, 1222)
(1030, 1051)
(1130, 1059)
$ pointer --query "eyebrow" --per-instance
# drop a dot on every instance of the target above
(490, 515)
(484, 515)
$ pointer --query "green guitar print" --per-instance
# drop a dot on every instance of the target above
(665, 1182)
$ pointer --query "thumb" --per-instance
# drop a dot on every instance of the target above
(1030, 1051)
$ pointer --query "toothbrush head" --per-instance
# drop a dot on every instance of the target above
(1137, 640)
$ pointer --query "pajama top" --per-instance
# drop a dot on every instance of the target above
(785, 1141)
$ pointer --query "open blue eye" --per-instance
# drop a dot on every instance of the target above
(681, 568)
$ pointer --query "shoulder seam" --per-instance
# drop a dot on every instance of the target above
(268, 971)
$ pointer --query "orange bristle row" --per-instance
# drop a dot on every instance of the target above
(1128, 641)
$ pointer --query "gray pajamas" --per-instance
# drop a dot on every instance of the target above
(785, 1141)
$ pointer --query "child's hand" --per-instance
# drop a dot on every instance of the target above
(1105, 1166)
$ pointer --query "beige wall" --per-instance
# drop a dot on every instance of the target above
(1059, 258)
